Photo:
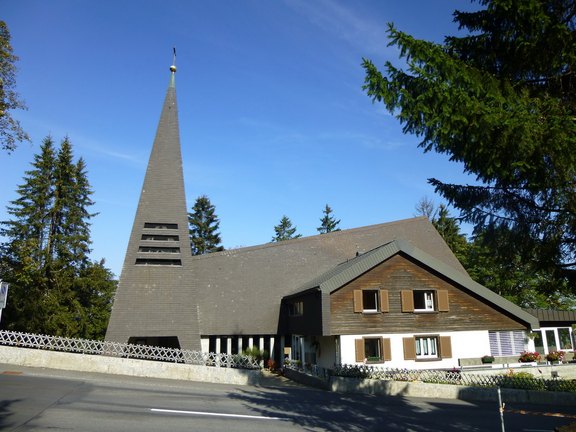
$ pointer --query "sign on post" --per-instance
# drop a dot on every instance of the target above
(3, 294)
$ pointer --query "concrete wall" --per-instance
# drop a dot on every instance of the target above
(131, 367)
(441, 391)
(447, 391)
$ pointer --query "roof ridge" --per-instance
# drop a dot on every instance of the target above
(308, 238)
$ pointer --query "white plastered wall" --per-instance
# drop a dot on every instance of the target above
(465, 344)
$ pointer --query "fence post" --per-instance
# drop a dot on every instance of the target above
(501, 408)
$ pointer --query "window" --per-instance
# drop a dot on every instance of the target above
(296, 308)
(507, 343)
(373, 350)
(423, 300)
(564, 336)
(371, 301)
(426, 347)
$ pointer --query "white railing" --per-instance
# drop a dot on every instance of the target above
(117, 349)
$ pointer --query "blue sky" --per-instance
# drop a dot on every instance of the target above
(273, 119)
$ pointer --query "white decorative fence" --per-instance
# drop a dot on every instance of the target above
(117, 349)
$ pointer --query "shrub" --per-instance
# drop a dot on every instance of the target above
(255, 353)
(522, 380)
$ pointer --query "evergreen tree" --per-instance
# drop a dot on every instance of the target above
(55, 288)
(446, 225)
(10, 130)
(449, 229)
(513, 278)
(285, 231)
(501, 100)
(204, 224)
(328, 222)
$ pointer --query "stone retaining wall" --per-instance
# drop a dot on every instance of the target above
(124, 366)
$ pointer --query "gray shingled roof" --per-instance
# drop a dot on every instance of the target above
(346, 272)
(240, 291)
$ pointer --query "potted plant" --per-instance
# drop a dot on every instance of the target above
(555, 356)
(529, 356)
(488, 359)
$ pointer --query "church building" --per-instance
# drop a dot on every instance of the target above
(391, 294)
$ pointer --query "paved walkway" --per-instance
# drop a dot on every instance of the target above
(276, 380)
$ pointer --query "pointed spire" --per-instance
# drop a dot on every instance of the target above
(173, 69)
(157, 280)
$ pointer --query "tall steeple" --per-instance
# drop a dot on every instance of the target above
(155, 299)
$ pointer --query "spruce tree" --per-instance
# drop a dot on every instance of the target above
(284, 230)
(501, 100)
(328, 222)
(55, 288)
(204, 224)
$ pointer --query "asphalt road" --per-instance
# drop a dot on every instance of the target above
(41, 400)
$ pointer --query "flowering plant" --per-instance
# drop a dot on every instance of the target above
(555, 356)
(528, 356)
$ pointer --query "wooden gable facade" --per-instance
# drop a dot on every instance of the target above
(394, 287)
(397, 281)
(396, 298)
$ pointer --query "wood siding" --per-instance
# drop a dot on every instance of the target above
(463, 311)
(309, 323)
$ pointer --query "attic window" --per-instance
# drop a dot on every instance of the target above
(370, 300)
(296, 308)
(423, 301)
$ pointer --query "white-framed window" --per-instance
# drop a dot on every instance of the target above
(423, 301)
(553, 339)
(369, 301)
(426, 347)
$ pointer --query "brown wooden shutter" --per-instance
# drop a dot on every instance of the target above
(409, 348)
(384, 304)
(360, 351)
(445, 347)
(442, 297)
(407, 301)
(386, 349)
(358, 306)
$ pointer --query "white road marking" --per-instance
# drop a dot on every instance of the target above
(214, 414)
